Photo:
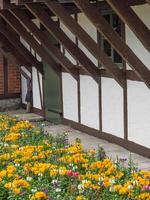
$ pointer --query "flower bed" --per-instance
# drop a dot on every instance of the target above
(34, 166)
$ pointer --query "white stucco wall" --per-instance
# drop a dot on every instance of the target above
(143, 12)
(138, 93)
(112, 107)
(72, 37)
(24, 43)
(139, 113)
(23, 89)
(24, 84)
(89, 95)
(36, 89)
(91, 30)
(70, 97)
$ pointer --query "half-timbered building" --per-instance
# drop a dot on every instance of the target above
(89, 62)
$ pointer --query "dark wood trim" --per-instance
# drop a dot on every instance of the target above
(38, 111)
(129, 145)
(8, 50)
(54, 51)
(125, 89)
(130, 74)
(129, 17)
(24, 74)
(100, 87)
(17, 26)
(115, 40)
(148, 1)
(20, 47)
(87, 41)
(61, 36)
(78, 81)
(10, 96)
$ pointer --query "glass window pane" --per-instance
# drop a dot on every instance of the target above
(107, 48)
(117, 57)
(107, 17)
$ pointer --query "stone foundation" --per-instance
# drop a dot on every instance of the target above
(10, 104)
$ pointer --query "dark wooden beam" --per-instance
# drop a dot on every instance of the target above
(87, 41)
(148, 1)
(28, 57)
(42, 52)
(25, 75)
(44, 39)
(115, 40)
(21, 2)
(8, 48)
(15, 59)
(129, 17)
(72, 48)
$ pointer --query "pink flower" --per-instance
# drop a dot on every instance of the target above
(75, 174)
(69, 173)
(146, 187)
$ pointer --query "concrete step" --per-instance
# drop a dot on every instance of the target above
(32, 117)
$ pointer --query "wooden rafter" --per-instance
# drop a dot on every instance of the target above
(5, 4)
(88, 42)
(130, 18)
(17, 26)
(148, 1)
(20, 48)
(72, 48)
(115, 40)
(11, 49)
(55, 52)
(21, 2)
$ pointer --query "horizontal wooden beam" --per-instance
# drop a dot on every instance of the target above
(87, 41)
(58, 33)
(27, 56)
(115, 40)
(44, 39)
(129, 17)
(17, 26)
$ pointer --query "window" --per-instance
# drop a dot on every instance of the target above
(116, 23)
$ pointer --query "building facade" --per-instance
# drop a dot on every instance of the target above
(89, 62)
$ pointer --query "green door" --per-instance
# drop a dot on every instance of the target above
(52, 93)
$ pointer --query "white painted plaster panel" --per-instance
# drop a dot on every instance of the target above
(24, 43)
(23, 89)
(112, 108)
(24, 84)
(72, 37)
(91, 30)
(26, 71)
(139, 113)
(70, 97)
(89, 92)
(35, 88)
(143, 11)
